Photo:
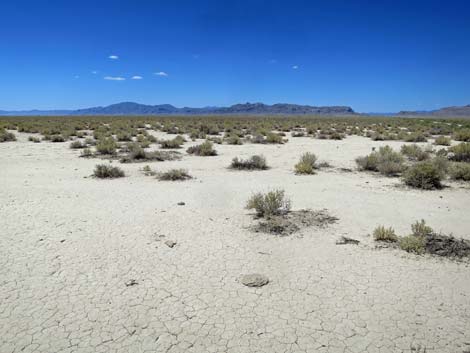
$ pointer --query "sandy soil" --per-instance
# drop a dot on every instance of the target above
(70, 243)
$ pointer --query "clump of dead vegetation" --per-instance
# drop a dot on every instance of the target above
(423, 239)
(138, 154)
(174, 175)
(204, 149)
(273, 210)
(256, 162)
(6, 136)
(106, 171)
(306, 164)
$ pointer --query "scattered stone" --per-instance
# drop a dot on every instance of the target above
(345, 240)
(181, 203)
(62, 241)
(131, 283)
(170, 243)
(254, 280)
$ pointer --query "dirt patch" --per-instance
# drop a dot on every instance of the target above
(293, 221)
(445, 245)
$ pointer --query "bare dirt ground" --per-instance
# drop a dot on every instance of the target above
(84, 266)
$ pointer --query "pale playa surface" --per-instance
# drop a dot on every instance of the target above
(68, 245)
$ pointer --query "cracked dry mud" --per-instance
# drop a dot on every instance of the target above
(71, 296)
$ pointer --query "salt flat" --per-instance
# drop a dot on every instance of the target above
(70, 243)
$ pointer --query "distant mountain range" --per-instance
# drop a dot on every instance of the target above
(447, 111)
(131, 108)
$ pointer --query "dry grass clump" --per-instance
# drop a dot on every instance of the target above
(106, 146)
(460, 171)
(77, 144)
(256, 162)
(462, 135)
(416, 137)
(412, 244)
(138, 154)
(420, 229)
(34, 139)
(425, 175)
(56, 138)
(234, 140)
(385, 161)
(148, 171)
(270, 204)
(414, 152)
(306, 164)
(204, 149)
(105, 171)
(442, 141)
(385, 234)
(6, 136)
(274, 138)
(174, 175)
(460, 152)
(177, 142)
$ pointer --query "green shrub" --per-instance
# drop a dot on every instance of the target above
(87, 152)
(173, 143)
(106, 145)
(460, 152)
(204, 149)
(173, 175)
(6, 136)
(460, 171)
(385, 234)
(442, 141)
(306, 164)
(77, 144)
(34, 139)
(385, 161)
(412, 244)
(104, 171)
(269, 204)
(234, 140)
(424, 175)
(124, 136)
(414, 152)
(57, 138)
(140, 155)
(254, 162)
(272, 137)
(462, 135)
(416, 137)
(420, 229)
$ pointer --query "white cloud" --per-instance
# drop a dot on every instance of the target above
(161, 73)
(295, 67)
(114, 78)
(94, 72)
(136, 77)
(113, 57)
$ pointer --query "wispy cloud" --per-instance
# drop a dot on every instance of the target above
(295, 67)
(161, 73)
(114, 78)
(94, 72)
(113, 57)
(136, 77)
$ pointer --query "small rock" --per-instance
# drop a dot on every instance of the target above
(346, 240)
(131, 283)
(170, 243)
(181, 203)
(254, 280)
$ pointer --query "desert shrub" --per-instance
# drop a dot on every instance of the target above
(272, 137)
(140, 155)
(420, 229)
(252, 163)
(413, 244)
(416, 137)
(442, 141)
(173, 143)
(460, 171)
(124, 136)
(148, 171)
(103, 171)
(106, 145)
(57, 138)
(462, 135)
(385, 161)
(385, 234)
(204, 149)
(306, 164)
(6, 136)
(87, 152)
(174, 174)
(234, 140)
(269, 204)
(414, 152)
(460, 152)
(34, 139)
(424, 175)
(77, 144)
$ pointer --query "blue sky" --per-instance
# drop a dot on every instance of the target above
(372, 55)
